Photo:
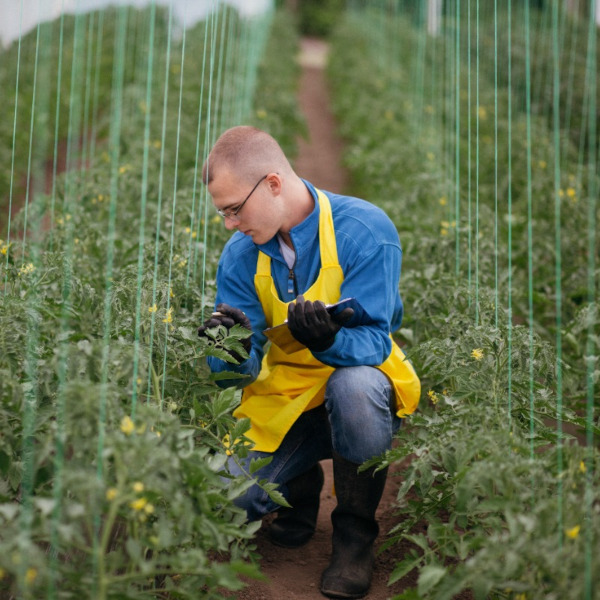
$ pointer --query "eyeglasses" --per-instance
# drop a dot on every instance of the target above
(232, 214)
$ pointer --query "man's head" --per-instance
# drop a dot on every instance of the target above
(246, 152)
(252, 183)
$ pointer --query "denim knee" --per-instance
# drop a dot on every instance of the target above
(360, 404)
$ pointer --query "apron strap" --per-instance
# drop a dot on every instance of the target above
(329, 255)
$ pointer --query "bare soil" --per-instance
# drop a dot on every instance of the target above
(295, 574)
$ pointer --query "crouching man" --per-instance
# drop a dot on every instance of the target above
(340, 395)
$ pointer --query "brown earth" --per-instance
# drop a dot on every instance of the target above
(295, 574)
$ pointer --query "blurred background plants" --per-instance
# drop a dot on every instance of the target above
(114, 433)
(500, 470)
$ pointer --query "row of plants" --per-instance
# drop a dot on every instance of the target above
(497, 498)
(114, 433)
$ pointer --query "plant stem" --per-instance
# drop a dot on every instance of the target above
(156, 385)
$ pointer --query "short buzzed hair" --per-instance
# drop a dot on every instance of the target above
(246, 151)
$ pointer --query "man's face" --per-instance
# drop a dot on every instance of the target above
(251, 207)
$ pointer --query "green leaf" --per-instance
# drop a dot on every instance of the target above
(275, 494)
(216, 462)
(258, 463)
(134, 548)
(419, 539)
(239, 429)
(429, 577)
(238, 487)
(404, 567)
(481, 587)
(45, 505)
(410, 594)
(9, 511)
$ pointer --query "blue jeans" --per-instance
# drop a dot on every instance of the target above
(357, 421)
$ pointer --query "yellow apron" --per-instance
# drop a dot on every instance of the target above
(289, 385)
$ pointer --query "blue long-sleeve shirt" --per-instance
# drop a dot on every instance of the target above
(370, 256)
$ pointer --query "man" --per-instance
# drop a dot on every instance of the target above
(298, 249)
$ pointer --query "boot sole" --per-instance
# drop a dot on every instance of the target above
(337, 594)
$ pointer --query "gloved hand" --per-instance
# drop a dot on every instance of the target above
(311, 324)
(228, 316)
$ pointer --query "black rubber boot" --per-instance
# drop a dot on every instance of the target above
(294, 526)
(354, 530)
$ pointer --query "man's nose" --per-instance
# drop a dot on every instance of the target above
(231, 223)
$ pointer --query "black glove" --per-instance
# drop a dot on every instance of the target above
(312, 325)
(228, 317)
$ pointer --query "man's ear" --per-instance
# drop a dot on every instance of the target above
(274, 182)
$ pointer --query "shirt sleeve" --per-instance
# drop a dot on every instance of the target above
(371, 275)
(235, 286)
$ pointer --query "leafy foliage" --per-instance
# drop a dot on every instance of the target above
(501, 477)
(116, 437)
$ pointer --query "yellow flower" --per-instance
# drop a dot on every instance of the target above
(124, 169)
(582, 467)
(573, 532)
(157, 143)
(171, 294)
(30, 575)
(521, 597)
(138, 504)
(139, 381)
(542, 164)
(561, 192)
(4, 250)
(153, 308)
(111, 493)
(188, 230)
(26, 269)
(100, 197)
(169, 317)
(261, 113)
(433, 397)
(149, 508)
(2, 573)
(127, 426)
(482, 113)
(571, 192)
(477, 353)
(138, 486)
(443, 201)
(443, 231)
(430, 156)
(216, 219)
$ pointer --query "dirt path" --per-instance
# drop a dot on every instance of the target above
(295, 574)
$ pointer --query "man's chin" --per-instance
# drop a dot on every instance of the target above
(257, 238)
